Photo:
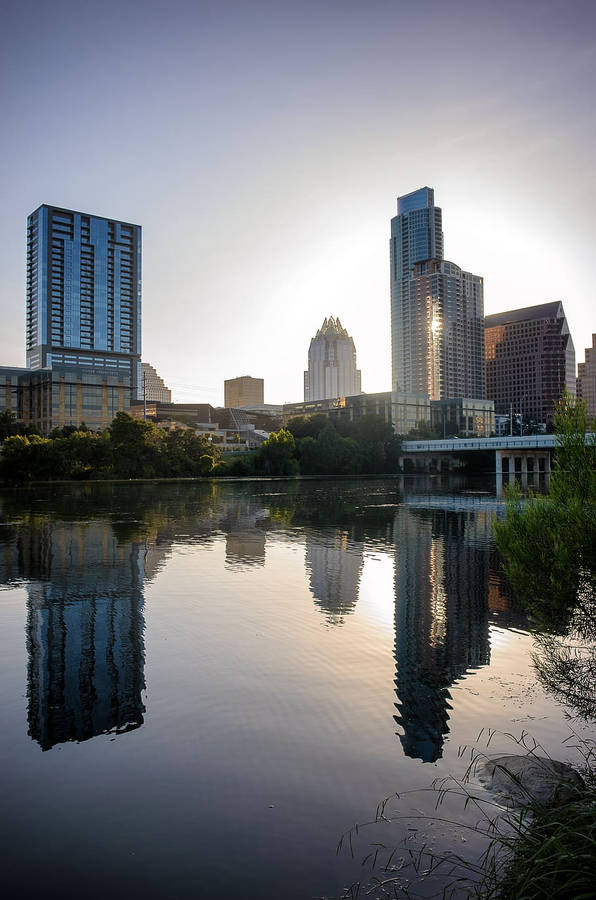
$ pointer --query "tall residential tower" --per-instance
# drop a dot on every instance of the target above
(437, 309)
(83, 293)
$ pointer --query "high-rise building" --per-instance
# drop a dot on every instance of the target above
(332, 368)
(83, 293)
(437, 309)
(244, 391)
(153, 388)
(530, 360)
(586, 379)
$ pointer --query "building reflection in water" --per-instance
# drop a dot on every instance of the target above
(85, 583)
(334, 564)
(441, 618)
(85, 672)
(244, 524)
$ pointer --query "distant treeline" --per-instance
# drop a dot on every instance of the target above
(131, 448)
(313, 445)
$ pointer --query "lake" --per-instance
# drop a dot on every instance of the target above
(205, 684)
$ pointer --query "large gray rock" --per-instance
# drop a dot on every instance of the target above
(519, 780)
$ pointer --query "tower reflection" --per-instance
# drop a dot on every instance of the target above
(334, 563)
(244, 524)
(84, 630)
(441, 618)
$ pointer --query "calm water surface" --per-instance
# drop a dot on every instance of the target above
(204, 685)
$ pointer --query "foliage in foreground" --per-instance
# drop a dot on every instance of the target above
(548, 546)
(555, 856)
(533, 853)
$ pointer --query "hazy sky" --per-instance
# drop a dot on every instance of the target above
(262, 147)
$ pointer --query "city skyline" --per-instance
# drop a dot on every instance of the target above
(296, 223)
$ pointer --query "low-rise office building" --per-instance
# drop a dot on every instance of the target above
(405, 412)
(244, 391)
(348, 408)
(463, 417)
(64, 395)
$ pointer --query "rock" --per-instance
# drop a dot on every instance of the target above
(520, 780)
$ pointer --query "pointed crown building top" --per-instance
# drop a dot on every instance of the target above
(332, 327)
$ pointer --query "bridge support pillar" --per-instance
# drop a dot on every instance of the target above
(499, 472)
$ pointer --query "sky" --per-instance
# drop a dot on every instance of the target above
(262, 145)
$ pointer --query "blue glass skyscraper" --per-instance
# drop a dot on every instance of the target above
(84, 293)
(437, 309)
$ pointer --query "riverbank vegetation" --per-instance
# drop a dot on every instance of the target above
(131, 448)
(312, 445)
(548, 546)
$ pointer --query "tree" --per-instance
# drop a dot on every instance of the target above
(377, 443)
(423, 432)
(135, 445)
(277, 455)
(329, 454)
(16, 458)
(185, 453)
(548, 545)
(10, 426)
(307, 426)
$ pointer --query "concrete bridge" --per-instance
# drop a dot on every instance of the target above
(528, 457)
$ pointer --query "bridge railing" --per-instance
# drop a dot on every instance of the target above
(454, 445)
(451, 445)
